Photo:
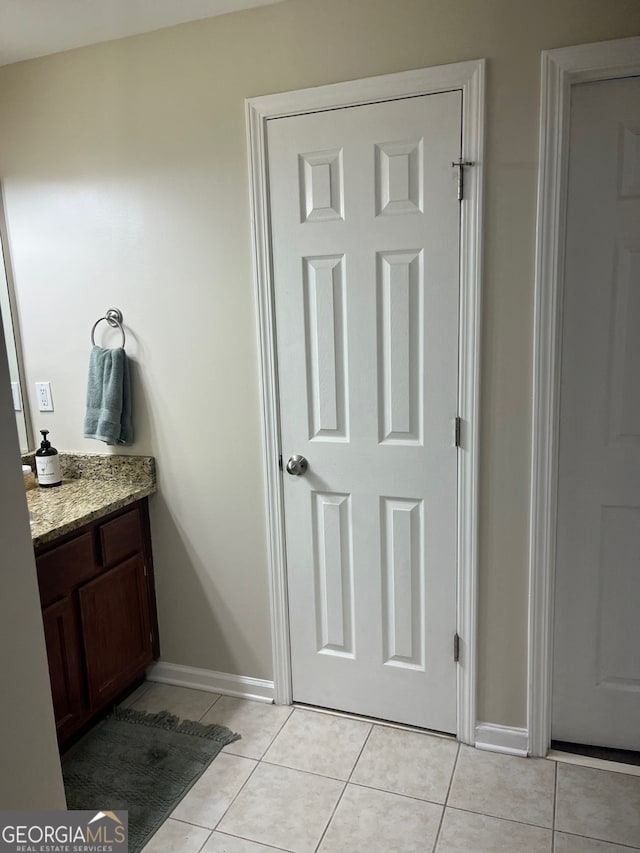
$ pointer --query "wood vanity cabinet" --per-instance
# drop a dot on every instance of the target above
(99, 613)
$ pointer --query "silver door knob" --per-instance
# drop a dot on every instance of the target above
(297, 465)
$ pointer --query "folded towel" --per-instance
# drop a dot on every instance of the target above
(108, 416)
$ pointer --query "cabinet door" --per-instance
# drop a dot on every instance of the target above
(65, 664)
(114, 611)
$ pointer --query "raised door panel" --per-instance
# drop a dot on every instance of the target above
(333, 572)
(114, 612)
(401, 355)
(618, 626)
(324, 317)
(624, 345)
(65, 664)
(403, 582)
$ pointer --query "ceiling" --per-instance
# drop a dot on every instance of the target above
(30, 28)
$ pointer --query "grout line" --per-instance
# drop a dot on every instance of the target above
(331, 816)
(258, 762)
(499, 817)
(446, 800)
(364, 743)
(396, 794)
(300, 770)
(455, 765)
(238, 792)
(339, 800)
(187, 822)
(251, 841)
(555, 808)
(228, 750)
(206, 841)
(555, 800)
(374, 721)
(284, 723)
(600, 840)
(200, 719)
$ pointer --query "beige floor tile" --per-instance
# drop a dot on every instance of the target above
(503, 786)
(319, 743)
(220, 843)
(136, 694)
(463, 832)
(257, 722)
(182, 701)
(575, 844)
(176, 837)
(407, 763)
(214, 791)
(370, 821)
(598, 804)
(283, 808)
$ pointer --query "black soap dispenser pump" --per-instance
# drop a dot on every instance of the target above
(47, 463)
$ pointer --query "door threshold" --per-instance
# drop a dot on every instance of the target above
(605, 753)
(593, 762)
(374, 720)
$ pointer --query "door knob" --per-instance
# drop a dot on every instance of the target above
(297, 465)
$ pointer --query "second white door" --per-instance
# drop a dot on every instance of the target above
(365, 241)
(596, 676)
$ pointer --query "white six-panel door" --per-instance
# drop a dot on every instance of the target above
(596, 677)
(365, 241)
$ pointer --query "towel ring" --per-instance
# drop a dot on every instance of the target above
(114, 319)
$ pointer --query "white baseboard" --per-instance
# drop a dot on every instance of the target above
(502, 739)
(213, 682)
(493, 738)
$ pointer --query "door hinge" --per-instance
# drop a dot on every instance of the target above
(458, 431)
(456, 647)
(280, 461)
(460, 164)
(151, 637)
(145, 570)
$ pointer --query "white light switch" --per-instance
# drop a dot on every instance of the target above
(43, 393)
(15, 393)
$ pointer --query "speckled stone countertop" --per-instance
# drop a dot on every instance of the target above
(93, 485)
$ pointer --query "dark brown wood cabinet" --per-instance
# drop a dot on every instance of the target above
(99, 613)
(65, 663)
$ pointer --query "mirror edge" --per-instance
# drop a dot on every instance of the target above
(15, 324)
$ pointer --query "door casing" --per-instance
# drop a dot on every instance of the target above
(469, 78)
(561, 69)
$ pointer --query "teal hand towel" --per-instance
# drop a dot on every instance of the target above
(108, 416)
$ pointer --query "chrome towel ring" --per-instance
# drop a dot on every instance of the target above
(114, 319)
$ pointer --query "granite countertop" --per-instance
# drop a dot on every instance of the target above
(93, 485)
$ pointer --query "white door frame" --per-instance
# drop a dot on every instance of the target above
(469, 78)
(561, 69)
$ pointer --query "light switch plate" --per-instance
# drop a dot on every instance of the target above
(43, 394)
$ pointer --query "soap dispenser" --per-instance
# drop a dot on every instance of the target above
(47, 463)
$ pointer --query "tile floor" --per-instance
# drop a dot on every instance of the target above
(303, 781)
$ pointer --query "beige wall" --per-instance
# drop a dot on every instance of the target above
(30, 776)
(126, 184)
